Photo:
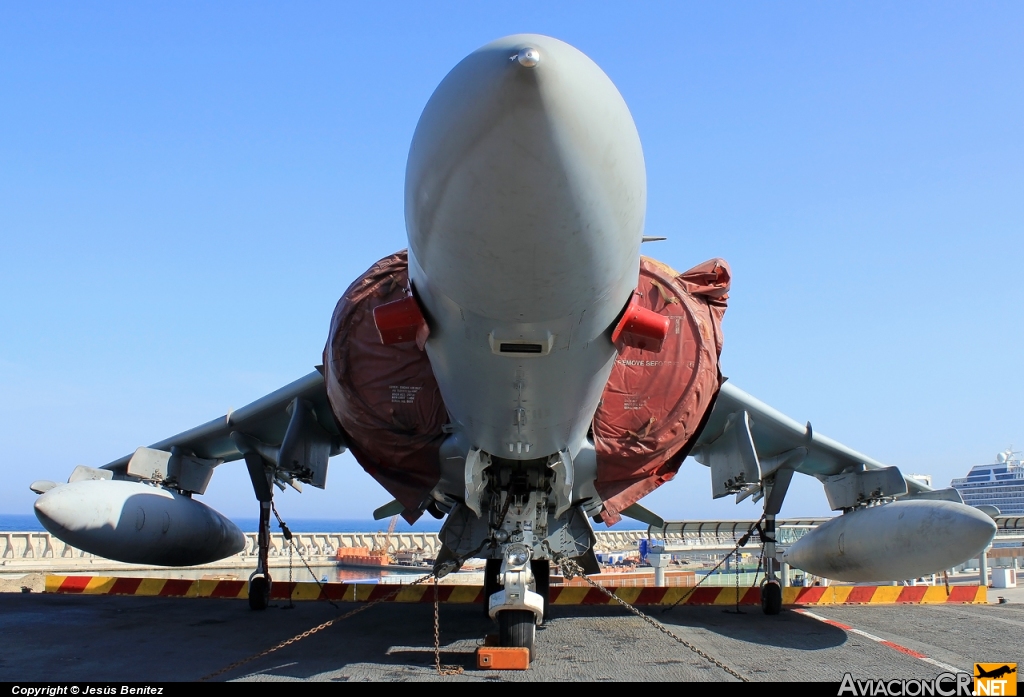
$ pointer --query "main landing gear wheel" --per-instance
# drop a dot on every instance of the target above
(259, 593)
(491, 586)
(541, 569)
(771, 598)
(517, 628)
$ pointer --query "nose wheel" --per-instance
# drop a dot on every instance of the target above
(517, 628)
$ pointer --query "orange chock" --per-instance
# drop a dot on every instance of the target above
(503, 658)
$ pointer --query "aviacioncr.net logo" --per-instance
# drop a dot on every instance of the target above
(943, 685)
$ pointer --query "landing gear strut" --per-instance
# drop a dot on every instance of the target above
(492, 582)
(541, 569)
(259, 582)
(775, 491)
(771, 590)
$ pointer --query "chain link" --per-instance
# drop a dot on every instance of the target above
(569, 567)
(291, 550)
(574, 570)
(291, 542)
(314, 630)
(736, 575)
(328, 623)
(441, 669)
(742, 542)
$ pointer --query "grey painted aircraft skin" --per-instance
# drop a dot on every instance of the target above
(499, 132)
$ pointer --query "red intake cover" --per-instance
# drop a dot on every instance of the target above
(386, 400)
(384, 395)
(655, 403)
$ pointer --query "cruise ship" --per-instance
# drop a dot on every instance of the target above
(1000, 485)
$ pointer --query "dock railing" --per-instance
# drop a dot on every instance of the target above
(32, 552)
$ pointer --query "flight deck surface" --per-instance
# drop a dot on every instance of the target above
(117, 638)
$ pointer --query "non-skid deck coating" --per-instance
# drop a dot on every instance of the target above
(132, 638)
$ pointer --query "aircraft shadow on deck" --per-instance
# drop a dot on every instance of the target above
(788, 630)
(408, 642)
(402, 636)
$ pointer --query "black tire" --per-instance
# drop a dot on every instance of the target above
(771, 598)
(541, 569)
(517, 628)
(259, 593)
(491, 586)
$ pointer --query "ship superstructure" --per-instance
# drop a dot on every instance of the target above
(1000, 484)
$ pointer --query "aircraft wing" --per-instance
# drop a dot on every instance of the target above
(265, 421)
(746, 442)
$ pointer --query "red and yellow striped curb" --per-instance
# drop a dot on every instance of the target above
(560, 595)
(884, 595)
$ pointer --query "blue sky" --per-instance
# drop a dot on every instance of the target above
(186, 189)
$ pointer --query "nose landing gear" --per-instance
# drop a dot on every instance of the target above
(517, 609)
(771, 589)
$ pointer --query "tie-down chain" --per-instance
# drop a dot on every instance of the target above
(570, 569)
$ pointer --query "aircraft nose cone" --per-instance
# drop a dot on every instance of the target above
(525, 163)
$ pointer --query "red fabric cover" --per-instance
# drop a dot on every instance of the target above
(655, 403)
(385, 397)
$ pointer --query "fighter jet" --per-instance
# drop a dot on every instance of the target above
(521, 371)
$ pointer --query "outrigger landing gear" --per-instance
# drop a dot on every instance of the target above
(771, 598)
(776, 474)
(259, 581)
(771, 589)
